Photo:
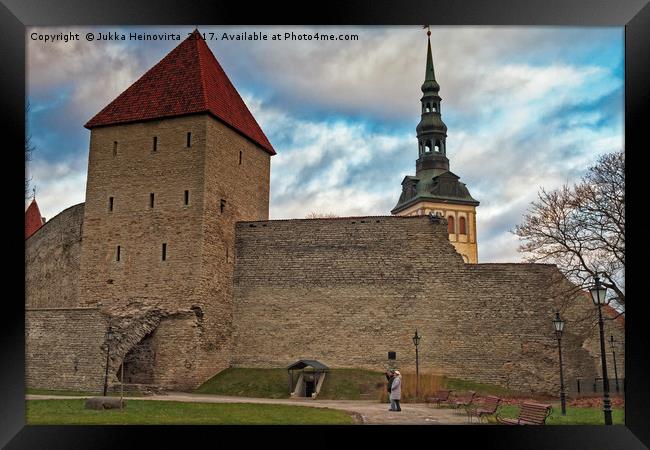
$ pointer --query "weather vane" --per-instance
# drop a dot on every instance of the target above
(428, 27)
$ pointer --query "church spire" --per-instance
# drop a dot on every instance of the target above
(431, 131)
(430, 82)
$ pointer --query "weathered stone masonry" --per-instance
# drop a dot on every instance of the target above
(346, 291)
(52, 261)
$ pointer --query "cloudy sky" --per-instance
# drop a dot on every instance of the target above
(525, 107)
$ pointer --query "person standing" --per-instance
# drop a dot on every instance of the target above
(396, 391)
(390, 377)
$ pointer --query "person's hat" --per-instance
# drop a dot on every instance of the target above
(396, 372)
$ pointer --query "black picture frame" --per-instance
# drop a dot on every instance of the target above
(15, 15)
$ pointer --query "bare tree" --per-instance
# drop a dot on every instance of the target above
(29, 150)
(581, 228)
(317, 215)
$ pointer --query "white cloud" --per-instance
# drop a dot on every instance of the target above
(512, 126)
(58, 185)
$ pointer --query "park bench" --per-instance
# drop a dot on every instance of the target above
(529, 414)
(488, 409)
(439, 397)
(464, 400)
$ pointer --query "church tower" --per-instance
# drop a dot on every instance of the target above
(434, 188)
(174, 162)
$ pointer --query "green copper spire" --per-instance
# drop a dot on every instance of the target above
(433, 181)
(430, 83)
(431, 131)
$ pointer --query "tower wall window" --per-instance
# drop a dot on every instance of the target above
(114, 149)
(155, 144)
(189, 139)
(164, 251)
(117, 253)
(151, 200)
(240, 155)
(110, 203)
(222, 205)
(461, 226)
(451, 229)
(187, 198)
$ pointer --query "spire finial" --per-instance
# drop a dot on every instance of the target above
(429, 75)
(34, 193)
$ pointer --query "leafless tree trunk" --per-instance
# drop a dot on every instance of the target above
(581, 228)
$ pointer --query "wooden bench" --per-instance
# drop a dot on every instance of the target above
(439, 397)
(529, 414)
(488, 409)
(464, 400)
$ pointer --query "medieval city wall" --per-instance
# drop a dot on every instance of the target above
(346, 291)
(64, 348)
(52, 261)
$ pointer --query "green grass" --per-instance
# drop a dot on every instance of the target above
(574, 416)
(263, 383)
(350, 384)
(143, 412)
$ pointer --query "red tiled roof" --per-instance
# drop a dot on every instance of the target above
(33, 219)
(188, 80)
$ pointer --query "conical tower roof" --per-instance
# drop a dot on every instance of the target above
(33, 219)
(188, 80)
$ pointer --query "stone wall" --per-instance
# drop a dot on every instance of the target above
(52, 261)
(346, 291)
(64, 348)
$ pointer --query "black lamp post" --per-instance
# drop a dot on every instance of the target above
(611, 344)
(598, 294)
(109, 338)
(416, 342)
(558, 323)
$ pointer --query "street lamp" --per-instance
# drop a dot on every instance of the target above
(598, 295)
(558, 323)
(109, 338)
(416, 342)
(611, 344)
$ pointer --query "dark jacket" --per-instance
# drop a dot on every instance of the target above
(389, 386)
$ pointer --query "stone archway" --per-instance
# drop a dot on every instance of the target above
(139, 362)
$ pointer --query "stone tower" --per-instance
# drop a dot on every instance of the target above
(434, 188)
(174, 162)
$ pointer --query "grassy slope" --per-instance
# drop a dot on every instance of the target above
(349, 384)
(142, 412)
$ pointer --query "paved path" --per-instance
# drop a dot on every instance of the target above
(365, 411)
